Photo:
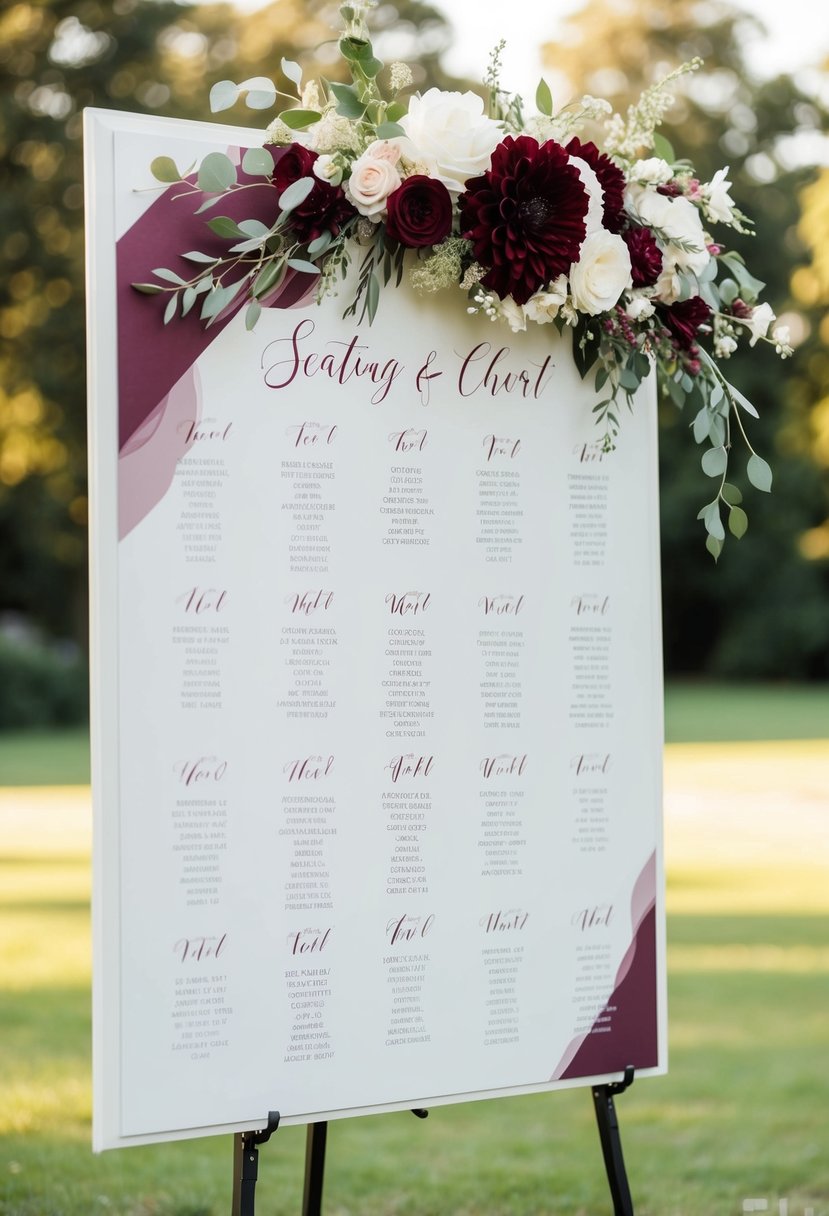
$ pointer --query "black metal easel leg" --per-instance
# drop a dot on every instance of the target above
(611, 1140)
(246, 1166)
(315, 1140)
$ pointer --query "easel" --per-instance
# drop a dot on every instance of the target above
(246, 1155)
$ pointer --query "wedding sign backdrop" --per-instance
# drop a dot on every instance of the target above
(377, 697)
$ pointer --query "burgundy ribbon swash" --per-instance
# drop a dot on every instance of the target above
(158, 386)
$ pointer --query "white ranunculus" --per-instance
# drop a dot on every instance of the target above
(759, 322)
(373, 178)
(719, 206)
(545, 305)
(452, 133)
(601, 274)
(595, 194)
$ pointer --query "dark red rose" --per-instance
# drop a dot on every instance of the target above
(611, 179)
(325, 209)
(684, 319)
(645, 256)
(419, 212)
(525, 216)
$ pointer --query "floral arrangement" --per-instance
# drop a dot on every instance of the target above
(532, 223)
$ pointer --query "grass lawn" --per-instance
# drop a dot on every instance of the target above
(742, 1113)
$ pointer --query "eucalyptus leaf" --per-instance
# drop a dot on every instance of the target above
(216, 172)
(759, 473)
(737, 522)
(223, 95)
(147, 289)
(320, 244)
(716, 431)
(389, 130)
(372, 296)
(701, 425)
(268, 278)
(396, 111)
(714, 546)
(258, 162)
(743, 401)
(544, 98)
(164, 169)
(731, 494)
(195, 256)
(728, 291)
(715, 462)
(252, 312)
(188, 299)
(293, 71)
(171, 309)
(254, 228)
(169, 276)
(302, 266)
(713, 522)
(297, 120)
(261, 92)
(349, 104)
(224, 226)
(296, 193)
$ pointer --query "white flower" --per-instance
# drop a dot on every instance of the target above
(719, 207)
(451, 131)
(601, 274)
(333, 133)
(513, 314)
(724, 346)
(759, 321)
(651, 172)
(781, 336)
(544, 305)
(669, 285)
(595, 194)
(327, 170)
(374, 177)
(310, 99)
(677, 222)
(401, 76)
(639, 308)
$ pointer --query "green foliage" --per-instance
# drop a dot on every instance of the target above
(41, 685)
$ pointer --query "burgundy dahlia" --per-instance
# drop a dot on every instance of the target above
(645, 256)
(419, 212)
(525, 216)
(611, 179)
(325, 209)
(684, 319)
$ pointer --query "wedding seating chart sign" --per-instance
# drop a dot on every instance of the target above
(377, 697)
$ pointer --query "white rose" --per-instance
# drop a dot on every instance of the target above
(452, 133)
(513, 314)
(372, 180)
(719, 206)
(595, 194)
(601, 274)
(759, 322)
(545, 305)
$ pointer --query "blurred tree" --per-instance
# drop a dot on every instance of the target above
(56, 57)
(765, 610)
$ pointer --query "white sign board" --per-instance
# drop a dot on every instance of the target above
(377, 697)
